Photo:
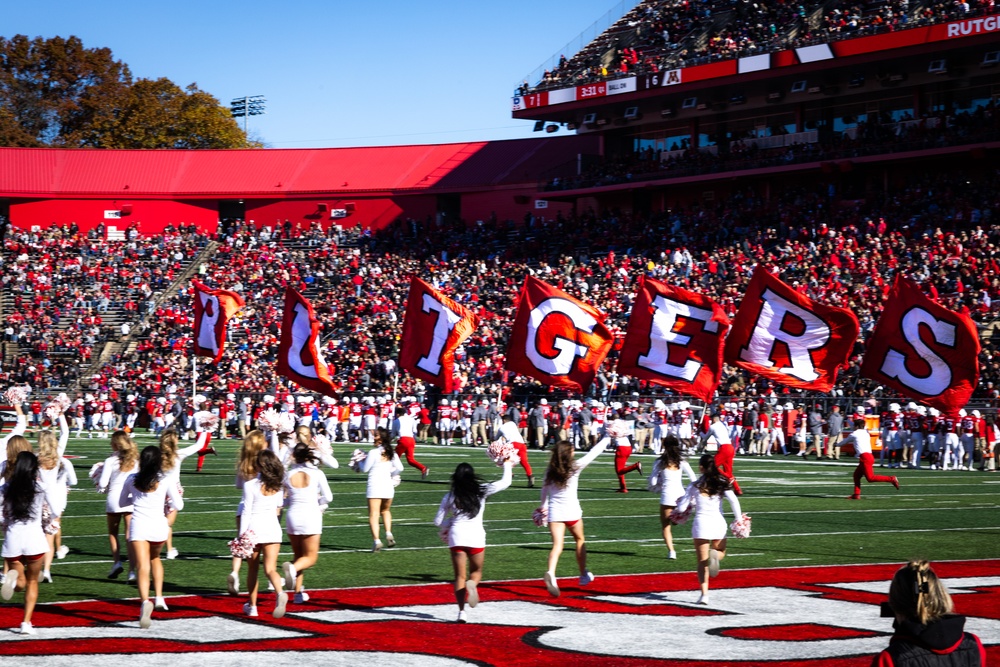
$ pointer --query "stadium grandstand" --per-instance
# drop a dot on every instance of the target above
(839, 142)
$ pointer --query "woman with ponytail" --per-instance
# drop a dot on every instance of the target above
(307, 493)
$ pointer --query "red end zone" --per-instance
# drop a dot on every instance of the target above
(817, 616)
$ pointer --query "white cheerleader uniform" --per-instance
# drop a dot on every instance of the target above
(172, 476)
(260, 513)
(465, 530)
(304, 515)
(380, 474)
(26, 538)
(672, 482)
(22, 424)
(149, 524)
(112, 482)
(709, 521)
(563, 503)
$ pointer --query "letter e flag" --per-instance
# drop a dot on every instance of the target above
(556, 339)
(923, 350)
(212, 310)
(299, 357)
(433, 327)
(789, 338)
(674, 339)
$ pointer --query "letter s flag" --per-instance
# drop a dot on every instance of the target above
(789, 338)
(674, 339)
(923, 350)
(433, 327)
(212, 310)
(299, 356)
(556, 339)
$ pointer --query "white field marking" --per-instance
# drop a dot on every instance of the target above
(782, 560)
(282, 658)
(177, 629)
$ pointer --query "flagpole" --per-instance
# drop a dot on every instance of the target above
(194, 378)
(395, 387)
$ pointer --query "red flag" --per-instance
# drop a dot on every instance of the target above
(923, 350)
(212, 310)
(556, 339)
(299, 356)
(789, 338)
(433, 327)
(674, 339)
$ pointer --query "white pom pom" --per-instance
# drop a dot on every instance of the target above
(541, 516)
(16, 395)
(741, 527)
(322, 443)
(206, 420)
(244, 545)
(501, 450)
(357, 459)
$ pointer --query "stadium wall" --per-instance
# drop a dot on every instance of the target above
(510, 204)
(151, 215)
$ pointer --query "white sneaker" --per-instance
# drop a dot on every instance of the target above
(131, 577)
(301, 597)
(471, 593)
(279, 608)
(46, 576)
(552, 584)
(27, 629)
(423, 475)
(160, 604)
(586, 578)
(146, 616)
(713, 562)
(270, 586)
(377, 546)
(702, 599)
(249, 609)
(672, 555)
(8, 584)
(233, 583)
(62, 551)
(462, 618)
(290, 576)
(389, 541)
(172, 554)
(115, 570)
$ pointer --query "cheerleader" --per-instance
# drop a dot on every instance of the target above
(725, 453)
(262, 500)
(307, 493)
(511, 434)
(246, 469)
(322, 452)
(403, 429)
(14, 444)
(149, 490)
(460, 516)
(172, 459)
(623, 450)
(116, 469)
(709, 528)
(57, 474)
(862, 442)
(667, 477)
(559, 497)
(24, 544)
(383, 468)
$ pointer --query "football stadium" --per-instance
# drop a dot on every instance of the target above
(705, 371)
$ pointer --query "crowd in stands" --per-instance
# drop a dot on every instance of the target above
(660, 35)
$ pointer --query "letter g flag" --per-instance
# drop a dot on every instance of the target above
(557, 339)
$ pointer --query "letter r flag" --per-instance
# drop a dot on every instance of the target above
(789, 338)
(556, 339)
(433, 327)
(923, 350)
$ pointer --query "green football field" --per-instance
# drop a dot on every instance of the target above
(800, 517)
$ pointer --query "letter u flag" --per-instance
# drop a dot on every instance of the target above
(923, 350)
(674, 339)
(556, 339)
(788, 337)
(212, 310)
(299, 357)
(433, 327)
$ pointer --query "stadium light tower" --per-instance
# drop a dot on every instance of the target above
(244, 107)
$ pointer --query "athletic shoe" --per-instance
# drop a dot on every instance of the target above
(377, 546)
(116, 569)
(672, 555)
(854, 496)
(172, 554)
(279, 609)
(639, 467)
(702, 599)
(301, 597)
(26, 629)
(424, 474)
(249, 609)
(713, 562)
(389, 541)
(586, 578)
(622, 491)
(461, 617)
(160, 604)
(62, 551)
(146, 617)
(895, 482)
(132, 578)
(46, 576)
(270, 586)
(8, 583)
(233, 583)
(552, 584)
(210, 450)
(290, 576)
(471, 593)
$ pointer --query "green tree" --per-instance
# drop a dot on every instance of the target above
(56, 92)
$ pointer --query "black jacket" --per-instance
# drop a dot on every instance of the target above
(942, 643)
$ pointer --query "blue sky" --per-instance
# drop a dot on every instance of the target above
(335, 73)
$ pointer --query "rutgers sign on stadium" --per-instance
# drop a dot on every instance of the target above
(814, 617)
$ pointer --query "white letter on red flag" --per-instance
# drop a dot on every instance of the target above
(433, 327)
(556, 339)
(788, 337)
(299, 356)
(212, 310)
(923, 350)
(674, 339)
